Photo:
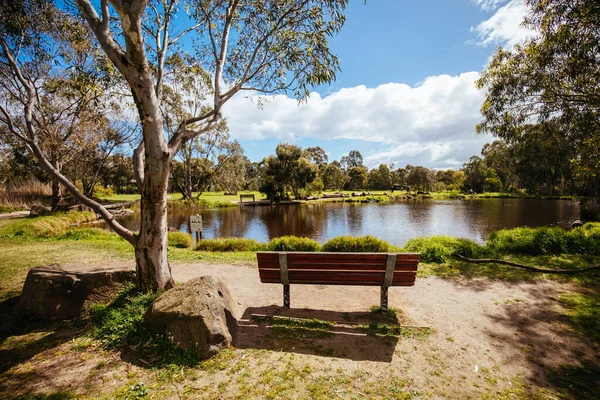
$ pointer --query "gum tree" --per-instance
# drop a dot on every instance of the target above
(266, 46)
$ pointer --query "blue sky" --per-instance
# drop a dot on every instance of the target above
(406, 92)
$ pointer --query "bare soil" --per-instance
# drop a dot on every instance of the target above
(475, 338)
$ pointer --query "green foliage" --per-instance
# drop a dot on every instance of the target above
(47, 226)
(120, 325)
(367, 244)
(434, 249)
(585, 239)
(180, 240)
(555, 74)
(287, 170)
(229, 244)
(293, 243)
(470, 249)
(547, 240)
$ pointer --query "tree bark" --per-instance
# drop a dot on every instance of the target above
(188, 179)
(153, 270)
(56, 191)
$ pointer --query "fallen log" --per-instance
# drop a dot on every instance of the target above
(527, 267)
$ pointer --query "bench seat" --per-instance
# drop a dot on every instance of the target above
(363, 269)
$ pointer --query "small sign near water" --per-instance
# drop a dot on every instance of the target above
(196, 223)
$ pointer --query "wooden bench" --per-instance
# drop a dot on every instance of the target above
(364, 269)
(247, 196)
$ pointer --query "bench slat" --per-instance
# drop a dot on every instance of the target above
(348, 283)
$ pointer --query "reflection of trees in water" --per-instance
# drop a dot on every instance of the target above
(226, 222)
(297, 220)
(419, 212)
(474, 219)
(354, 217)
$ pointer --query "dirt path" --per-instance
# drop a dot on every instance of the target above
(486, 339)
(481, 328)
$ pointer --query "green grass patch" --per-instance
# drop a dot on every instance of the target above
(119, 325)
(396, 330)
(583, 310)
(9, 209)
(297, 326)
(46, 226)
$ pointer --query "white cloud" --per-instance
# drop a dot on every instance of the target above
(431, 124)
(504, 27)
(489, 5)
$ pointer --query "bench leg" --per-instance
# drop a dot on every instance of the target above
(286, 296)
(384, 298)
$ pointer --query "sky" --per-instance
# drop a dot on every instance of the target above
(406, 90)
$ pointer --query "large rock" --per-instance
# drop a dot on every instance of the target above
(199, 316)
(52, 292)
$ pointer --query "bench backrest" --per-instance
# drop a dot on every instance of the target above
(365, 269)
(246, 196)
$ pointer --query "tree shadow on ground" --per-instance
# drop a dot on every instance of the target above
(22, 336)
(371, 336)
(561, 350)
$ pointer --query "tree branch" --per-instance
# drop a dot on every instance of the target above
(527, 267)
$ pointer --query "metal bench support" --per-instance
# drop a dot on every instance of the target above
(286, 296)
(384, 298)
(283, 275)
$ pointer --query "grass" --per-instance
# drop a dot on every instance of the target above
(118, 325)
(35, 241)
(115, 331)
(23, 195)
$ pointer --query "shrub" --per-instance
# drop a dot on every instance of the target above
(550, 240)
(517, 240)
(434, 249)
(180, 240)
(585, 239)
(293, 243)
(536, 241)
(470, 249)
(229, 244)
(356, 244)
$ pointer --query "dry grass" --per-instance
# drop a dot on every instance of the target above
(25, 194)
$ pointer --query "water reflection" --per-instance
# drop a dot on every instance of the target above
(395, 222)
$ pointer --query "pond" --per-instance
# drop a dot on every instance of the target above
(395, 222)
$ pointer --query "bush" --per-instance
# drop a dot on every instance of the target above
(470, 249)
(293, 243)
(550, 240)
(180, 240)
(434, 249)
(517, 240)
(367, 244)
(229, 244)
(585, 239)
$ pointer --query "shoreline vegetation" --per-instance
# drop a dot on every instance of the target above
(13, 202)
(222, 200)
(551, 247)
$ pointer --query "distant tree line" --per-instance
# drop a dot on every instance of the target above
(213, 162)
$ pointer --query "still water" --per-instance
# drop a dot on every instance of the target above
(394, 222)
